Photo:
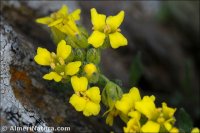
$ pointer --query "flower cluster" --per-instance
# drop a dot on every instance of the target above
(62, 20)
(59, 63)
(156, 119)
(76, 61)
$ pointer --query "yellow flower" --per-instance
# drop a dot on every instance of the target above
(133, 126)
(127, 102)
(123, 106)
(106, 27)
(86, 100)
(159, 117)
(62, 20)
(195, 130)
(57, 62)
(90, 69)
(146, 106)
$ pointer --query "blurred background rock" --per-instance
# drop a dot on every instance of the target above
(162, 57)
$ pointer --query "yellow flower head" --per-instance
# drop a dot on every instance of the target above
(127, 102)
(90, 69)
(86, 100)
(133, 126)
(123, 107)
(106, 27)
(57, 62)
(62, 20)
(157, 117)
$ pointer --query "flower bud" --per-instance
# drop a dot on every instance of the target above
(79, 54)
(71, 41)
(93, 56)
(90, 69)
(94, 78)
(82, 41)
(91, 72)
(111, 94)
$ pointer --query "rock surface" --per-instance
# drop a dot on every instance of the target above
(26, 99)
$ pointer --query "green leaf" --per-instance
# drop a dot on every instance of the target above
(184, 121)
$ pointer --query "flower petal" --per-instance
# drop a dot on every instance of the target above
(56, 22)
(134, 92)
(115, 21)
(91, 109)
(63, 10)
(133, 125)
(98, 20)
(73, 29)
(146, 106)
(43, 57)
(167, 111)
(78, 102)
(52, 75)
(70, 28)
(135, 115)
(79, 84)
(75, 15)
(94, 94)
(123, 105)
(72, 68)
(150, 127)
(168, 126)
(127, 102)
(63, 50)
(44, 20)
(117, 40)
(96, 39)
